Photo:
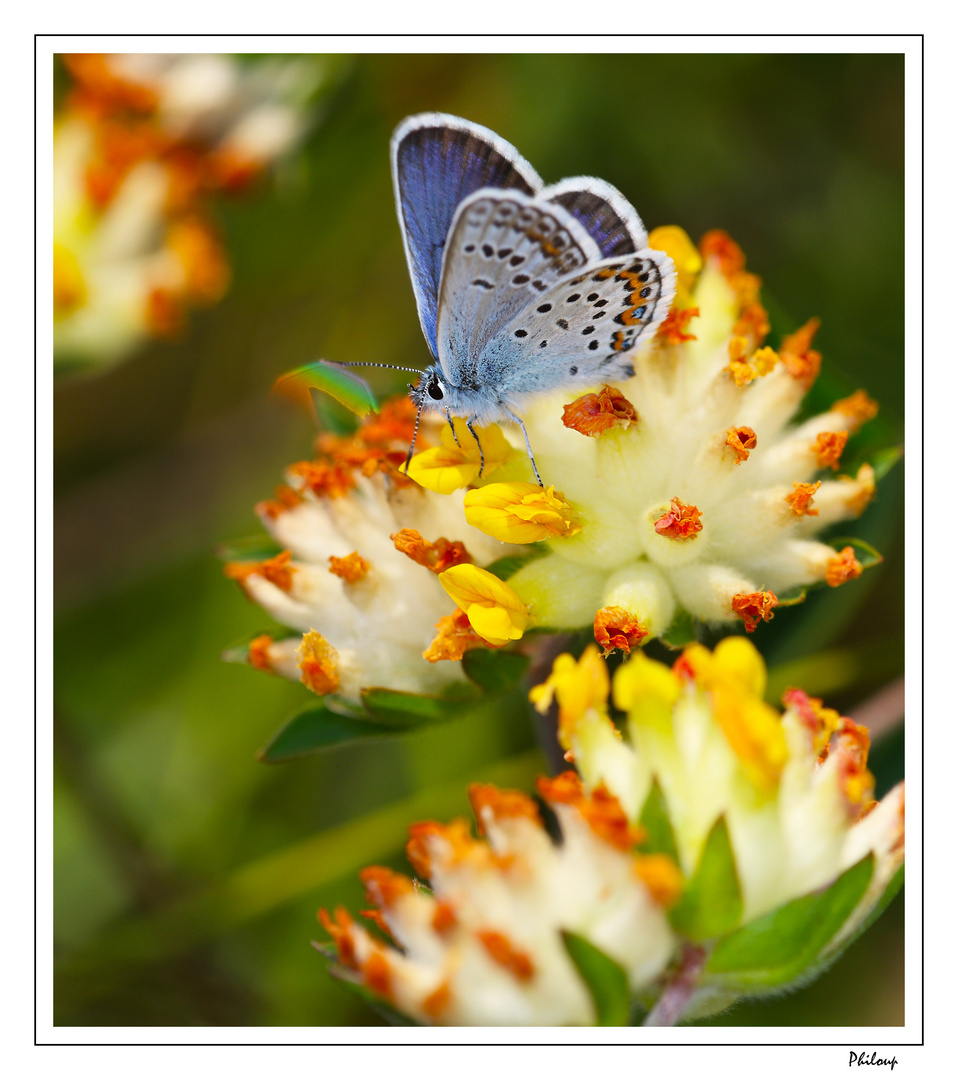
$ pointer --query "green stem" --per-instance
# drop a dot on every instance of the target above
(678, 991)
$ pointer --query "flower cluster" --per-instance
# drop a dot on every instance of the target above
(687, 488)
(367, 560)
(140, 145)
(718, 829)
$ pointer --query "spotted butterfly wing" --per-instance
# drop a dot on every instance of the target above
(437, 162)
(604, 213)
(527, 303)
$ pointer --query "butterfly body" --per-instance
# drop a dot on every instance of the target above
(521, 288)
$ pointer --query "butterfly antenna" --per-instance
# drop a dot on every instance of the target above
(415, 432)
(366, 363)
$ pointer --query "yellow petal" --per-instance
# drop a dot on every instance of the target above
(675, 242)
(519, 512)
(494, 611)
(451, 466)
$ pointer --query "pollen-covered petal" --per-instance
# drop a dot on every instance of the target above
(494, 610)
(520, 513)
(593, 414)
(318, 663)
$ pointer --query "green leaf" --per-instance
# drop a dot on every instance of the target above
(793, 596)
(712, 901)
(406, 710)
(776, 948)
(248, 549)
(493, 670)
(681, 632)
(508, 565)
(872, 557)
(606, 980)
(655, 820)
(347, 978)
(885, 460)
(318, 728)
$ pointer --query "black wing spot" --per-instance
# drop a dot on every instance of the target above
(594, 344)
(572, 299)
(469, 248)
(592, 296)
(487, 250)
(517, 260)
(544, 308)
(644, 293)
(539, 286)
(589, 330)
(542, 344)
(644, 277)
(600, 303)
(562, 323)
(482, 283)
(520, 279)
(503, 252)
(522, 333)
(573, 370)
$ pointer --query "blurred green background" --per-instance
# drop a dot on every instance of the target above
(187, 875)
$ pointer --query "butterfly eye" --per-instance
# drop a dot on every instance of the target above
(435, 391)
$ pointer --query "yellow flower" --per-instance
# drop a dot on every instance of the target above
(457, 462)
(520, 513)
(577, 686)
(493, 609)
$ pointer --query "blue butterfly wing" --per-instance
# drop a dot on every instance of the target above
(603, 211)
(438, 161)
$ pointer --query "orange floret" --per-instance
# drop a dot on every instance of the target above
(680, 522)
(165, 312)
(276, 570)
(592, 414)
(340, 930)
(615, 628)
(828, 447)
(351, 569)
(444, 917)
(676, 325)
(801, 361)
(324, 477)
(843, 567)
(376, 916)
(850, 747)
(800, 499)
(661, 877)
(741, 440)
(455, 835)
(820, 722)
(95, 77)
(503, 804)
(317, 664)
(601, 810)
(376, 975)
(754, 608)
(258, 654)
(501, 949)
(753, 322)
(858, 407)
(717, 244)
(436, 1003)
(455, 638)
(384, 886)
(206, 268)
(394, 423)
(437, 557)
(738, 366)
(284, 499)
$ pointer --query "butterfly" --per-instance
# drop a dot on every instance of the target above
(521, 288)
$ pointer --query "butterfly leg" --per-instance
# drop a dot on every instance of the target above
(472, 432)
(452, 428)
(525, 435)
